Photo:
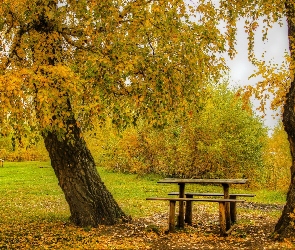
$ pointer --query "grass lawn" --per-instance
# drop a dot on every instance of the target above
(34, 213)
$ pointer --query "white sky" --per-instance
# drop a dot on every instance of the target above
(241, 69)
(274, 49)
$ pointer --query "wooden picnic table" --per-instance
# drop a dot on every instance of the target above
(182, 182)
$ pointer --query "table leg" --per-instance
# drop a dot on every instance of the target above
(181, 206)
(227, 205)
(189, 211)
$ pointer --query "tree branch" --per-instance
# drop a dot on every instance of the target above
(13, 50)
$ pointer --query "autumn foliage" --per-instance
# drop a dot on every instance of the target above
(220, 140)
(28, 147)
(277, 160)
(66, 64)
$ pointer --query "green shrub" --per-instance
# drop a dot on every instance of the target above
(222, 140)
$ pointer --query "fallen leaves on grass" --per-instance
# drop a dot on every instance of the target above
(253, 232)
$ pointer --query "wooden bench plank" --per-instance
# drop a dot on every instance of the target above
(192, 199)
(212, 181)
(212, 194)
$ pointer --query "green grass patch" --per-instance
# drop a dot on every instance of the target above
(270, 197)
(34, 213)
(30, 191)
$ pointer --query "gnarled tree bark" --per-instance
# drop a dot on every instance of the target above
(89, 200)
(285, 228)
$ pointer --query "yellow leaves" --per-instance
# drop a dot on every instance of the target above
(54, 76)
(275, 83)
(139, 43)
(155, 8)
(41, 98)
(120, 67)
(153, 44)
(61, 124)
(11, 92)
(277, 159)
(254, 25)
(147, 23)
(105, 60)
(46, 121)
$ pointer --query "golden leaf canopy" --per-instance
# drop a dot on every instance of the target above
(126, 57)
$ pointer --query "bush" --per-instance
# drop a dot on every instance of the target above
(22, 150)
(276, 174)
(222, 140)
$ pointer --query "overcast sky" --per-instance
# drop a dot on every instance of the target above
(275, 47)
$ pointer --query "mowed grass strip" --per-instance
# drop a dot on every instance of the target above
(29, 191)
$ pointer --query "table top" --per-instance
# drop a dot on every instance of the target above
(211, 181)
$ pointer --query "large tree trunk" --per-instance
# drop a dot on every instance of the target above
(285, 227)
(89, 200)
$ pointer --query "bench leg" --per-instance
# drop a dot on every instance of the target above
(233, 209)
(222, 218)
(172, 216)
(227, 206)
(189, 211)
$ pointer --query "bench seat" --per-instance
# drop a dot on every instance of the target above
(192, 199)
(222, 214)
(212, 194)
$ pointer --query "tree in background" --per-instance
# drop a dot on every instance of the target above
(63, 63)
(227, 136)
(277, 81)
(277, 160)
(29, 147)
(221, 139)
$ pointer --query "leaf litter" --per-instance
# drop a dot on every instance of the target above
(253, 231)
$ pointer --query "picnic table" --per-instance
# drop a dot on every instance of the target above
(227, 205)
